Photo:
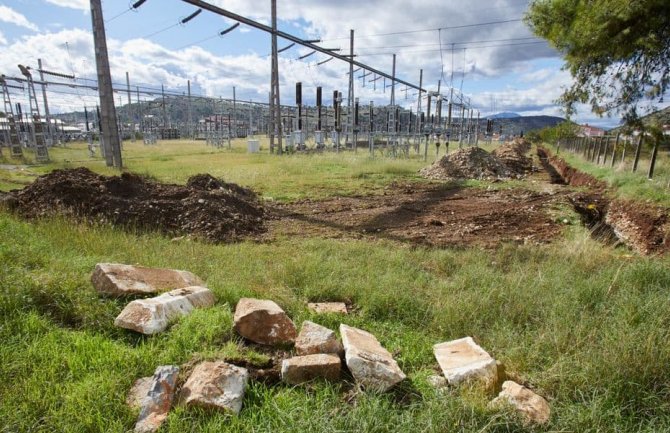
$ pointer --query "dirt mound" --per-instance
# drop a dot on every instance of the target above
(206, 207)
(467, 163)
(513, 155)
(645, 227)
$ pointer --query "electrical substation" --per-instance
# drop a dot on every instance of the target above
(417, 119)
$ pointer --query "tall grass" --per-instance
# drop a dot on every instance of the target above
(585, 325)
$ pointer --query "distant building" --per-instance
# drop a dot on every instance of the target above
(587, 130)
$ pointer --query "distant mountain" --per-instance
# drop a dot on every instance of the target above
(504, 115)
(516, 125)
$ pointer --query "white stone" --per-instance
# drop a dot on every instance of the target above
(463, 360)
(300, 369)
(264, 322)
(328, 307)
(153, 315)
(314, 338)
(216, 385)
(371, 365)
(534, 408)
(437, 381)
(119, 279)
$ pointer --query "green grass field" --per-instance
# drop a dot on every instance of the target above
(586, 325)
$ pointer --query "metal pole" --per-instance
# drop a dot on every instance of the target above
(189, 130)
(130, 110)
(110, 130)
(234, 113)
(47, 115)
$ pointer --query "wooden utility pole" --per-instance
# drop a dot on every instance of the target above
(275, 113)
(110, 129)
(350, 93)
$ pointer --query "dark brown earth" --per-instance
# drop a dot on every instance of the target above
(206, 207)
(427, 214)
(645, 227)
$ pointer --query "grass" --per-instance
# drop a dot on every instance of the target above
(288, 178)
(585, 324)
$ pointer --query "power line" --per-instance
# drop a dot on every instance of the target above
(405, 32)
(448, 49)
(453, 43)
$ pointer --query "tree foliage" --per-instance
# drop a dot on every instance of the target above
(618, 51)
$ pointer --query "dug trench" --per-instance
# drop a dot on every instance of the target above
(644, 227)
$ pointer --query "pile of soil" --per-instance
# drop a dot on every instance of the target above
(645, 227)
(206, 207)
(467, 163)
(513, 155)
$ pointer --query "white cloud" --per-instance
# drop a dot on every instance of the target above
(11, 16)
(83, 5)
(3, 39)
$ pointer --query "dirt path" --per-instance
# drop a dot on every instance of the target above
(430, 214)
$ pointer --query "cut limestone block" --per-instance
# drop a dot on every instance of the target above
(314, 338)
(371, 365)
(534, 408)
(120, 280)
(156, 404)
(264, 322)
(216, 385)
(300, 369)
(328, 307)
(153, 315)
(463, 360)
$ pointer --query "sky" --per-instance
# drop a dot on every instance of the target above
(482, 49)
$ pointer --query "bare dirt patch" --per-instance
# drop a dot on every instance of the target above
(429, 214)
(206, 208)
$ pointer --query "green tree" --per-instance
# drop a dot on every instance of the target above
(618, 51)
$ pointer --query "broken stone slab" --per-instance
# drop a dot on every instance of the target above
(300, 369)
(138, 392)
(463, 360)
(371, 365)
(328, 307)
(533, 407)
(153, 315)
(216, 385)
(157, 402)
(314, 338)
(120, 280)
(263, 322)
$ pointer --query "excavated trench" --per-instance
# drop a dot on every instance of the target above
(644, 227)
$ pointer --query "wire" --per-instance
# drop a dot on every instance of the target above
(448, 49)
(430, 30)
(452, 43)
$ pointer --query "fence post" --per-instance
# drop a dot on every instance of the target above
(607, 148)
(616, 144)
(652, 163)
(637, 152)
